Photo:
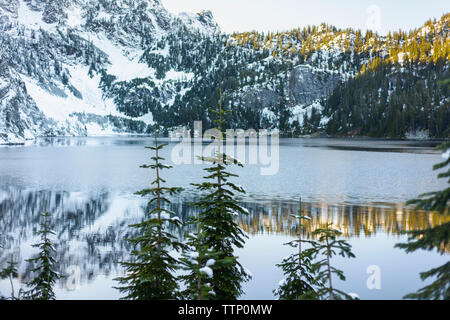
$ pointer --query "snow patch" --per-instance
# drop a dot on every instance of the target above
(418, 135)
(59, 108)
(32, 19)
(125, 63)
(193, 255)
(207, 270)
(147, 118)
(300, 111)
(74, 17)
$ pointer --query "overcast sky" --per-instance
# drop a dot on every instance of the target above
(264, 15)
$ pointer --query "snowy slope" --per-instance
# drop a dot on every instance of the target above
(58, 51)
(85, 67)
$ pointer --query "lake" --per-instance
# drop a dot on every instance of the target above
(361, 186)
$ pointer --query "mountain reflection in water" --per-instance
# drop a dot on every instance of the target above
(91, 228)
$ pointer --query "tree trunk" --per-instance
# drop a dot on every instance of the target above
(329, 271)
(300, 246)
(12, 287)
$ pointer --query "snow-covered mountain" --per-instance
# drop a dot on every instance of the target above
(52, 52)
(88, 67)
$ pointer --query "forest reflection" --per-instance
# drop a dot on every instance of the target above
(91, 228)
(352, 220)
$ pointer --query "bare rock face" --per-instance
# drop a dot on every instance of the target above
(20, 118)
(207, 19)
(10, 7)
(307, 85)
(203, 21)
(260, 98)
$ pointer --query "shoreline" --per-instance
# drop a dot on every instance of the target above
(311, 137)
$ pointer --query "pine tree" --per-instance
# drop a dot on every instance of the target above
(433, 238)
(327, 246)
(10, 272)
(150, 273)
(42, 284)
(297, 268)
(221, 232)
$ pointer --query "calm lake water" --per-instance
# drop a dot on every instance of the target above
(88, 184)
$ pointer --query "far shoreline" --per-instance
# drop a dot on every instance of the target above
(435, 141)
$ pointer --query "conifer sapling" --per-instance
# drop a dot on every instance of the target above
(328, 246)
(218, 209)
(297, 268)
(150, 273)
(10, 272)
(45, 266)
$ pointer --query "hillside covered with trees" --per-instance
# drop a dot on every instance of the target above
(95, 67)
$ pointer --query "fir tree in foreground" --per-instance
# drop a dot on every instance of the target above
(197, 260)
(297, 268)
(221, 234)
(46, 276)
(10, 272)
(436, 238)
(327, 246)
(150, 273)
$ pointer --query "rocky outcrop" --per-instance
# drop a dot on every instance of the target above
(202, 21)
(307, 85)
(9, 7)
(260, 98)
(20, 118)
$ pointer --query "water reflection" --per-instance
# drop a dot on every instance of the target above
(352, 220)
(91, 228)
